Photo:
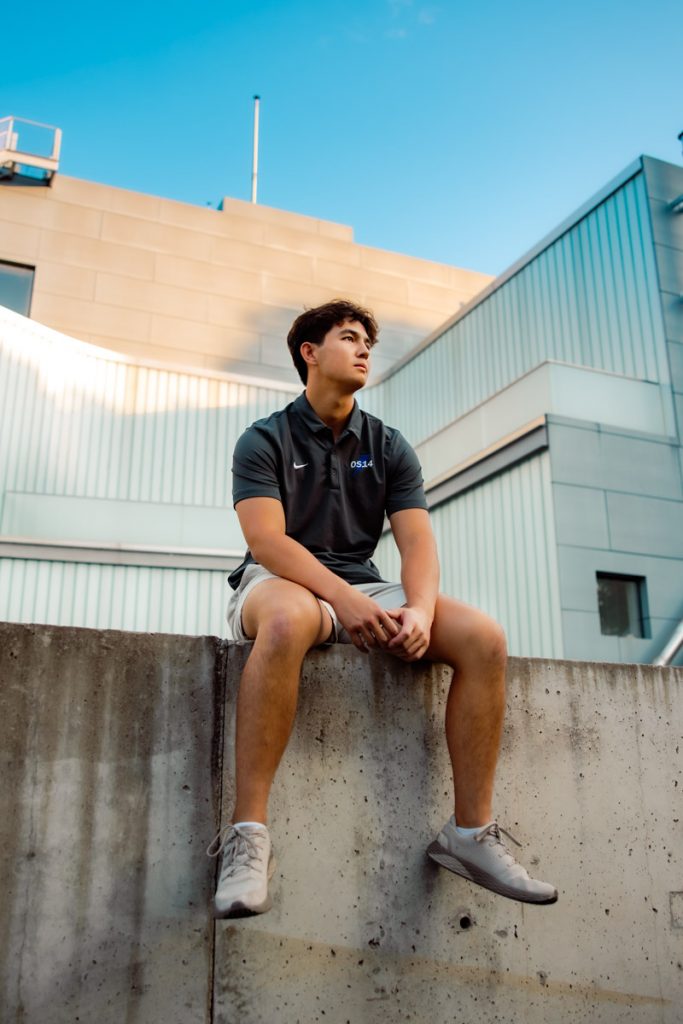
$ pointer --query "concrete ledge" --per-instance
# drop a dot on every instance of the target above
(111, 747)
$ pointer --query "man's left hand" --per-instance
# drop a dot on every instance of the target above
(411, 643)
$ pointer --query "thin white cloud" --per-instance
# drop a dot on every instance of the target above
(405, 16)
(427, 15)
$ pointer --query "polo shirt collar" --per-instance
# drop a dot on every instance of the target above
(305, 410)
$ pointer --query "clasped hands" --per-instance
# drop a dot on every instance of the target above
(403, 632)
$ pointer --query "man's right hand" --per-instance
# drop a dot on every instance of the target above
(367, 624)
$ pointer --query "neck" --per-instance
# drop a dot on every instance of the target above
(332, 407)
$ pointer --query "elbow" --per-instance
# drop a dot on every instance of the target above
(262, 545)
(257, 549)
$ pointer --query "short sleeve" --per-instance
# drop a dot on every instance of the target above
(405, 486)
(254, 467)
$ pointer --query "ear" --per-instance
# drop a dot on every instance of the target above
(309, 353)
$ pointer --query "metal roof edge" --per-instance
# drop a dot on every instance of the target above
(634, 168)
(88, 348)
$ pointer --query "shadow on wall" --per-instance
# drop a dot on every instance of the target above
(272, 324)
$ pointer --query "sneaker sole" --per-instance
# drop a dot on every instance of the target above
(239, 909)
(447, 860)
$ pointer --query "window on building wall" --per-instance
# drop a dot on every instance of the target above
(16, 285)
(622, 601)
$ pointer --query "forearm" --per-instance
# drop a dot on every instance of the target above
(420, 573)
(263, 524)
(367, 623)
(285, 557)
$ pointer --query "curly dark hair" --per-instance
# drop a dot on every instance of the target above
(314, 324)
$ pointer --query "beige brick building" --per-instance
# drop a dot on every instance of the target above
(210, 289)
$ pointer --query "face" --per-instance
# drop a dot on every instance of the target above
(343, 356)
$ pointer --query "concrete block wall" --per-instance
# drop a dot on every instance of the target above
(112, 749)
(618, 500)
(206, 288)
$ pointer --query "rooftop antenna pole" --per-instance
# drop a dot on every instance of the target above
(254, 166)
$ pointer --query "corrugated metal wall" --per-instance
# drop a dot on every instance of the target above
(590, 298)
(114, 596)
(76, 423)
(496, 543)
(498, 551)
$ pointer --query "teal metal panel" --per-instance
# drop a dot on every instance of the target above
(498, 552)
(190, 601)
(589, 298)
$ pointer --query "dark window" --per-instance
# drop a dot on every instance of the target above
(16, 285)
(622, 601)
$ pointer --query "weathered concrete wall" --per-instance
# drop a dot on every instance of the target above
(111, 750)
(365, 929)
(109, 746)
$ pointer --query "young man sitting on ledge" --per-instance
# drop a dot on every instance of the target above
(312, 484)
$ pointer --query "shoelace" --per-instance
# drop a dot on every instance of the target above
(240, 847)
(494, 829)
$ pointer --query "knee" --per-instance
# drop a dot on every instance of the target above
(290, 626)
(488, 643)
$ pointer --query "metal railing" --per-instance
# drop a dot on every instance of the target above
(29, 144)
(672, 647)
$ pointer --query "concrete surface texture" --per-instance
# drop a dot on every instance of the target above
(365, 928)
(111, 748)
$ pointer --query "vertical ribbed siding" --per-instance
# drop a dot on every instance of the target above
(497, 549)
(590, 298)
(74, 423)
(190, 601)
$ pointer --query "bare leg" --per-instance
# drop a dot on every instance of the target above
(474, 646)
(286, 620)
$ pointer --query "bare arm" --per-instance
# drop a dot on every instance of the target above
(263, 525)
(420, 578)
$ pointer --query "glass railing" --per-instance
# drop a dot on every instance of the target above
(30, 138)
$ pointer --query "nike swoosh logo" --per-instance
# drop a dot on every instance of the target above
(301, 466)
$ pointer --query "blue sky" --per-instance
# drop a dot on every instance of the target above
(451, 131)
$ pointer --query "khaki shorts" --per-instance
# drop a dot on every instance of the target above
(387, 595)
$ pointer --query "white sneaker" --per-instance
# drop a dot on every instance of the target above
(484, 858)
(247, 865)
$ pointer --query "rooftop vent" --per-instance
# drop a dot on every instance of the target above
(29, 152)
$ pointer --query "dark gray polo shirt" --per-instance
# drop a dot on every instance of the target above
(335, 496)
